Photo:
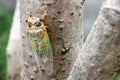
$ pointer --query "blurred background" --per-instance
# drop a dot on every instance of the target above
(6, 14)
(91, 11)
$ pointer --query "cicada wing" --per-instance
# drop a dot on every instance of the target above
(43, 53)
(46, 54)
(49, 64)
(34, 49)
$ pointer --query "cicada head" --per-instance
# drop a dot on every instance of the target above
(34, 22)
(35, 27)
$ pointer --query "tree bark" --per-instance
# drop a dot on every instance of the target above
(13, 48)
(99, 58)
(64, 17)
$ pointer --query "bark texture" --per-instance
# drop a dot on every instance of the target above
(100, 55)
(64, 18)
(13, 48)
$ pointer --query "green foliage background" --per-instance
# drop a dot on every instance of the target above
(5, 23)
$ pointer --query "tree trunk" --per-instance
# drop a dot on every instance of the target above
(99, 58)
(64, 18)
(13, 48)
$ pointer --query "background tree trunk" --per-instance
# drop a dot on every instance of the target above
(13, 48)
(65, 18)
(100, 55)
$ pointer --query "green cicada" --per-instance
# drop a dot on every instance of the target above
(40, 43)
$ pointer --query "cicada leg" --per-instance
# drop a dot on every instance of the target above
(44, 15)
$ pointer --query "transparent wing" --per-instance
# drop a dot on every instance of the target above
(42, 50)
(34, 49)
(45, 54)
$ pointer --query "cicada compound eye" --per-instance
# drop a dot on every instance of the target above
(29, 24)
(26, 21)
(37, 24)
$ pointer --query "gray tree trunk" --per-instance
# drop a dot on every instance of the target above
(64, 17)
(99, 58)
(13, 48)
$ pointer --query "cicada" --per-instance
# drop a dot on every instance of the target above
(40, 43)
